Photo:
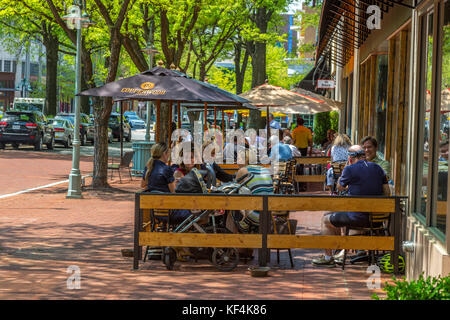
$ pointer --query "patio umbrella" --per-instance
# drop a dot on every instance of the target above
(323, 101)
(278, 99)
(162, 84)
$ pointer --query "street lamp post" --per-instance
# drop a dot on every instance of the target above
(76, 20)
(150, 50)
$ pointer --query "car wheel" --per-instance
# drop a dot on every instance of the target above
(129, 136)
(68, 143)
(38, 145)
(2, 145)
(51, 144)
(15, 146)
(83, 139)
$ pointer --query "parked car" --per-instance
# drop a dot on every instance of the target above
(86, 126)
(26, 127)
(134, 121)
(114, 124)
(129, 113)
(64, 132)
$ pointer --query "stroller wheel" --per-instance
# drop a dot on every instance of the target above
(225, 259)
(169, 258)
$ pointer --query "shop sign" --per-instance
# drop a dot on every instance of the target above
(325, 84)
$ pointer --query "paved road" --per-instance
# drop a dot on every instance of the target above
(88, 150)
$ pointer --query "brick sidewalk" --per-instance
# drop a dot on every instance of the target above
(42, 233)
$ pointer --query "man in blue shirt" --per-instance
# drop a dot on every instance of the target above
(278, 150)
(273, 123)
(360, 177)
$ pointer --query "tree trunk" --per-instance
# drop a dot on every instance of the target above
(100, 178)
(164, 122)
(258, 54)
(51, 48)
(240, 70)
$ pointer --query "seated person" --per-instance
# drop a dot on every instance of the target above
(184, 168)
(279, 150)
(370, 146)
(261, 183)
(218, 171)
(363, 178)
(287, 140)
(158, 176)
(339, 154)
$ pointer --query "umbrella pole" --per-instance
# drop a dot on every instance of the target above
(179, 114)
(121, 130)
(205, 126)
(268, 124)
(170, 121)
(215, 116)
(158, 104)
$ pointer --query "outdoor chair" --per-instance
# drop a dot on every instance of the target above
(159, 222)
(125, 162)
(338, 167)
(379, 225)
(281, 224)
(284, 181)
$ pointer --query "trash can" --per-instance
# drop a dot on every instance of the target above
(141, 155)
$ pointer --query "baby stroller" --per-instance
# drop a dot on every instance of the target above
(224, 259)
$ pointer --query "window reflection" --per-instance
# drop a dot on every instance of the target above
(439, 220)
(380, 94)
(428, 24)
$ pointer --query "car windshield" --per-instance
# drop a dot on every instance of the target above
(131, 117)
(17, 117)
(58, 122)
(70, 118)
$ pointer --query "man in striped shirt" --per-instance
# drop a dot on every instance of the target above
(261, 183)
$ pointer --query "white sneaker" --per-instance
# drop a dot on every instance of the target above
(339, 255)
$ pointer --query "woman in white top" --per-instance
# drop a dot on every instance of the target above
(339, 153)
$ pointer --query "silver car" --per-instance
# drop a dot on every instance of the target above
(63, 131)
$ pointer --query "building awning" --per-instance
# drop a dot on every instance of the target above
(343, 26)
(320, 71)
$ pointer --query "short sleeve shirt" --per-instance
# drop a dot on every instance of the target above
(160, 177)
(339, 154)
(301, 135)
(363, 178)
(284, 152)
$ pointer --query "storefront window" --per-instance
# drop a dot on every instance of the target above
(439, 219)
(427, 24)
(380, 95)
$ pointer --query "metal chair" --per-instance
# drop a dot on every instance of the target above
(159, 222)
(125, 162)
(379, 225)
(283, 225)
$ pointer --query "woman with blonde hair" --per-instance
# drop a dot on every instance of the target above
(339, 154)
(339, 148)
(158, 176)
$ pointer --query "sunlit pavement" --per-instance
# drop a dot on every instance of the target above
(42, 234)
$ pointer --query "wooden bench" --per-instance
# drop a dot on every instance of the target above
(144, 202)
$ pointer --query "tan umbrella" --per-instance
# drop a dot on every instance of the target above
(279, 99)
(324, 101)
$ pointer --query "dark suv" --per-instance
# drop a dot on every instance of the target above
(26, 127)
(86, 126)
(114, 124)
